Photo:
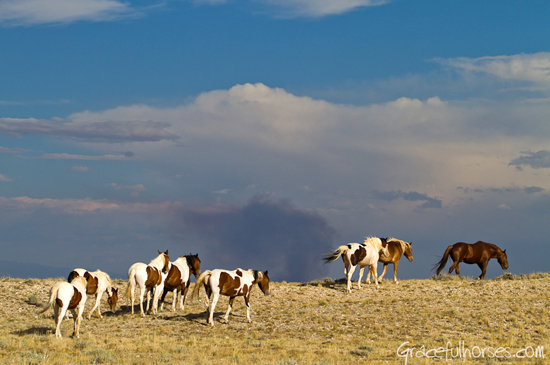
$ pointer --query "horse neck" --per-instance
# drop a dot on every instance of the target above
(157, 262)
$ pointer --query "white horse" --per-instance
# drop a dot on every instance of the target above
(360, 254)
(99, 282)
(232, 284)
(179, 278)
(65, 296)
(149, 278)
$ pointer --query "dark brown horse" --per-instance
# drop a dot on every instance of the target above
(477, 253)
(396, 248)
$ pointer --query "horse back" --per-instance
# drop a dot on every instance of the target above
(93, 283)
(235, 283)
(395, 252)
(470, 253)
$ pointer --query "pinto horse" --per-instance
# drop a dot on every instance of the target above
(396, 248)
(476, 253)
(360, 254)
(232, 284)
(67, 296)
(179, 278)
(149, 277)
(99, 282)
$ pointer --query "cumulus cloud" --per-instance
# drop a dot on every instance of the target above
(92, 131)
(81, 168)
(33, 12)
(319, 8)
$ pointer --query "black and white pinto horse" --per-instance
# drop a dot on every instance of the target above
(232, 284)
(360, 254)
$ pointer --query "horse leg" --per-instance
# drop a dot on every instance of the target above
(96, 305)
(58, 316)
(374, 268)
(229, 307)
(483, 267)
(141, 295)
(77, 318)
(349, 274)
(174, 299)
(212, 307)
(247, 302)
(360, 276)
(156, 295)
(183, 296)
(394, 272)
(383, 272)
(454, 266)
(164, 292)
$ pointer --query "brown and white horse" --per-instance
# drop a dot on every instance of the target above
(67, 296)
(149, 278)
(360, 254)
(396, 248)
(99, 282)
(179, 278)
(232, 284)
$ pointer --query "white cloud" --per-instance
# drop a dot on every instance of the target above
(319, 8)
(66, 156)
(533, 68)
(33, 12)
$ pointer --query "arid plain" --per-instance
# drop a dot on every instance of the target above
(503, 320)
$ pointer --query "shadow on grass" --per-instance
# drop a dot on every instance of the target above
(42, 331)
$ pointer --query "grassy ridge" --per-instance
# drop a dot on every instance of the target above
(299, 323)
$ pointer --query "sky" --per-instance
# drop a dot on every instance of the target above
(263, 134)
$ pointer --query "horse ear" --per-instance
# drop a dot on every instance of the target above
(159, 252)
(411, 243)
(265, 273)
(166, 252)
(504, 251)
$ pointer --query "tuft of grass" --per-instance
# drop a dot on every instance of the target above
(32, 300)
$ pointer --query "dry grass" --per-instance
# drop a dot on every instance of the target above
(313, 323)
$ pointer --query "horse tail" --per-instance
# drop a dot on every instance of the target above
(441, 263)
(53, 296)
(200, 281)
(334, 256)
(131, 277)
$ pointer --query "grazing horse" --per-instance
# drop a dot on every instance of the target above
(67, 296)
(232, 284)
(179, 278)
(396, 248)
(99, 282)
(362, 254)
(476, 253)
(148, 277)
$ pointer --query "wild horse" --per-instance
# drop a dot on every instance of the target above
(477, 253)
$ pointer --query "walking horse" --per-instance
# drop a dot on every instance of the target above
(360, 254)
(99, 282)
(149, 278)
(67, 296)
(179, 278)
(232, 284)
(396, 248)
(475, 253)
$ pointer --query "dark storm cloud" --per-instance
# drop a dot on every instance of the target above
(409, 196)
(537, 160)
(99, 131)
(263, 235)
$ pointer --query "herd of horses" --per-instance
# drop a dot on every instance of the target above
(161, 276)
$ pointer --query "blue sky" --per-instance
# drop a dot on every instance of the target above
(264, 133)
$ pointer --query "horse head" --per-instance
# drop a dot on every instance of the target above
(166, 262)
(263, 281)
(384, 248)
(502, 259)
(195, 265)
(409, 252)
(112, 298)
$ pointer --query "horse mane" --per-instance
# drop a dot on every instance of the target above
(404, 245)
(373, 242)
